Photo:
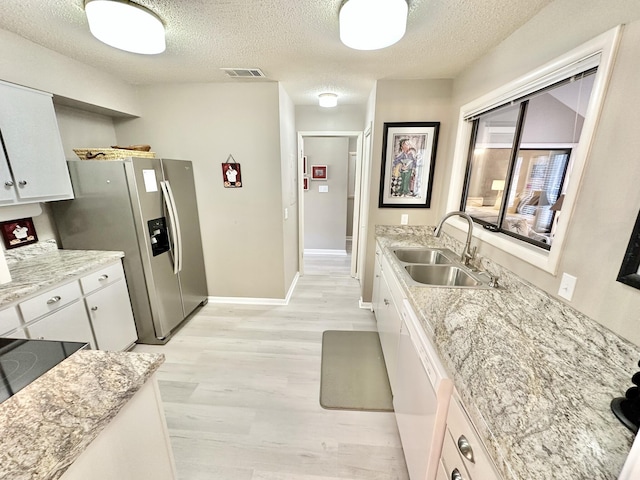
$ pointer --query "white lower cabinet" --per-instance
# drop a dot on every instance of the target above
(94, 309)
(111, 317)
(442, 473)
(134, 445)
(388, 317)
(388, 321)
(463, 453)
(69, 323)
(9, 321)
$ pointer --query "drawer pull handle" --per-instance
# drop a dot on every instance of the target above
(465, 449)
(94, 308)
(102, 278)
(53, 300)
(8, 183)
(456, 475)
(386, 302)
(22, 183)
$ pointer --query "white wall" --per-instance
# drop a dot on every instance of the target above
(242, 228)
(609, 198)
(406, 101)
(340, 118)
(325, 214)
(26, 63)
(81, 129)
(289, 167)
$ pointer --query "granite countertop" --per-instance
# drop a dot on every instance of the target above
(49, 423)
(535, 375)
(36, 267)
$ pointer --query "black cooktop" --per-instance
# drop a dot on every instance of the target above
(22, 361)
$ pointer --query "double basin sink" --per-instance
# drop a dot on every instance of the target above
(437, 267)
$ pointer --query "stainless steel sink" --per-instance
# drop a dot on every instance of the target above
(428, 256)
(442, 275)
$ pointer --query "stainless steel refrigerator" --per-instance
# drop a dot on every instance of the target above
(147, 208)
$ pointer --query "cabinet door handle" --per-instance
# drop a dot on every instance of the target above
(22, 183)
(456, 475)
(386, 302)
(465, 449)
(102, 278)
(8, 183)
(53, 300)
(94, 308)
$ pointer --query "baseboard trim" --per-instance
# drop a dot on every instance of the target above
(365, 305)
(258, 301)
(292, 287)
(309, 251)
(248, 301)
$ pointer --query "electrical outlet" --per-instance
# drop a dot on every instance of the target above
(404, 219)
(567, 286)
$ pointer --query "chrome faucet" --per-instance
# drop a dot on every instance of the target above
(468, 254)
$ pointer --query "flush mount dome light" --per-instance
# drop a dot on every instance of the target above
(328, 99)
(125, 25)
(372, 24)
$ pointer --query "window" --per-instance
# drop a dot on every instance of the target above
(519, 156)
(513, 179)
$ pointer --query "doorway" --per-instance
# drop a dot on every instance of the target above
(329, 208)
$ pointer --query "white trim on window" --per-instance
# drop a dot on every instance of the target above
(602, 48)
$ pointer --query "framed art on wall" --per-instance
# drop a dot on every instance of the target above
(17, 233)
(408, 161)
(319, 172)
(231, 176)
(305, 183)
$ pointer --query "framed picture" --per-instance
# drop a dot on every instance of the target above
(408, 160)
(17, 233)
(231, 176)
(630, 270)
(305, 183)
(319, 172)
(304, 164)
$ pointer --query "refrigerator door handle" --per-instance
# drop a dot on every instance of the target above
(177, 220)
(172, 219)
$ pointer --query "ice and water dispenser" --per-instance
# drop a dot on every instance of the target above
(158, 235)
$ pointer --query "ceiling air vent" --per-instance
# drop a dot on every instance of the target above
(244, 72)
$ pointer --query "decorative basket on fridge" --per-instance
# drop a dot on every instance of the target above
(114, 153)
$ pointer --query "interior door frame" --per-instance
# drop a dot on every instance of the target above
(356, 202)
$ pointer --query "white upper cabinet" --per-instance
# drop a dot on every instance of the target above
(32, 163)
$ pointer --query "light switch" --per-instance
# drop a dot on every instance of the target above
(323, 188)
(567, 286)
(404, 219)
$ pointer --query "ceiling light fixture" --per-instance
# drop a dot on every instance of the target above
(372, 24)
(125, 25)
(328, 100)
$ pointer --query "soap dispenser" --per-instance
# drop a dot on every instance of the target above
(627, 408)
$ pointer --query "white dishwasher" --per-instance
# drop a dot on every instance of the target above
(421, 398)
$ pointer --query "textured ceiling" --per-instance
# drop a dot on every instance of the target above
(295, 42)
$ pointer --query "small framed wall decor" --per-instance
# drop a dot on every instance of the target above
(305, 183)
(231, 175)
(319, 172)
(304, 165)
(17, 233)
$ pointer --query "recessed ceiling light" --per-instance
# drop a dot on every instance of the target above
(372, 24)
(328, 99)
(125, 25)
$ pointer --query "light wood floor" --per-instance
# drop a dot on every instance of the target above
(240, 387)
